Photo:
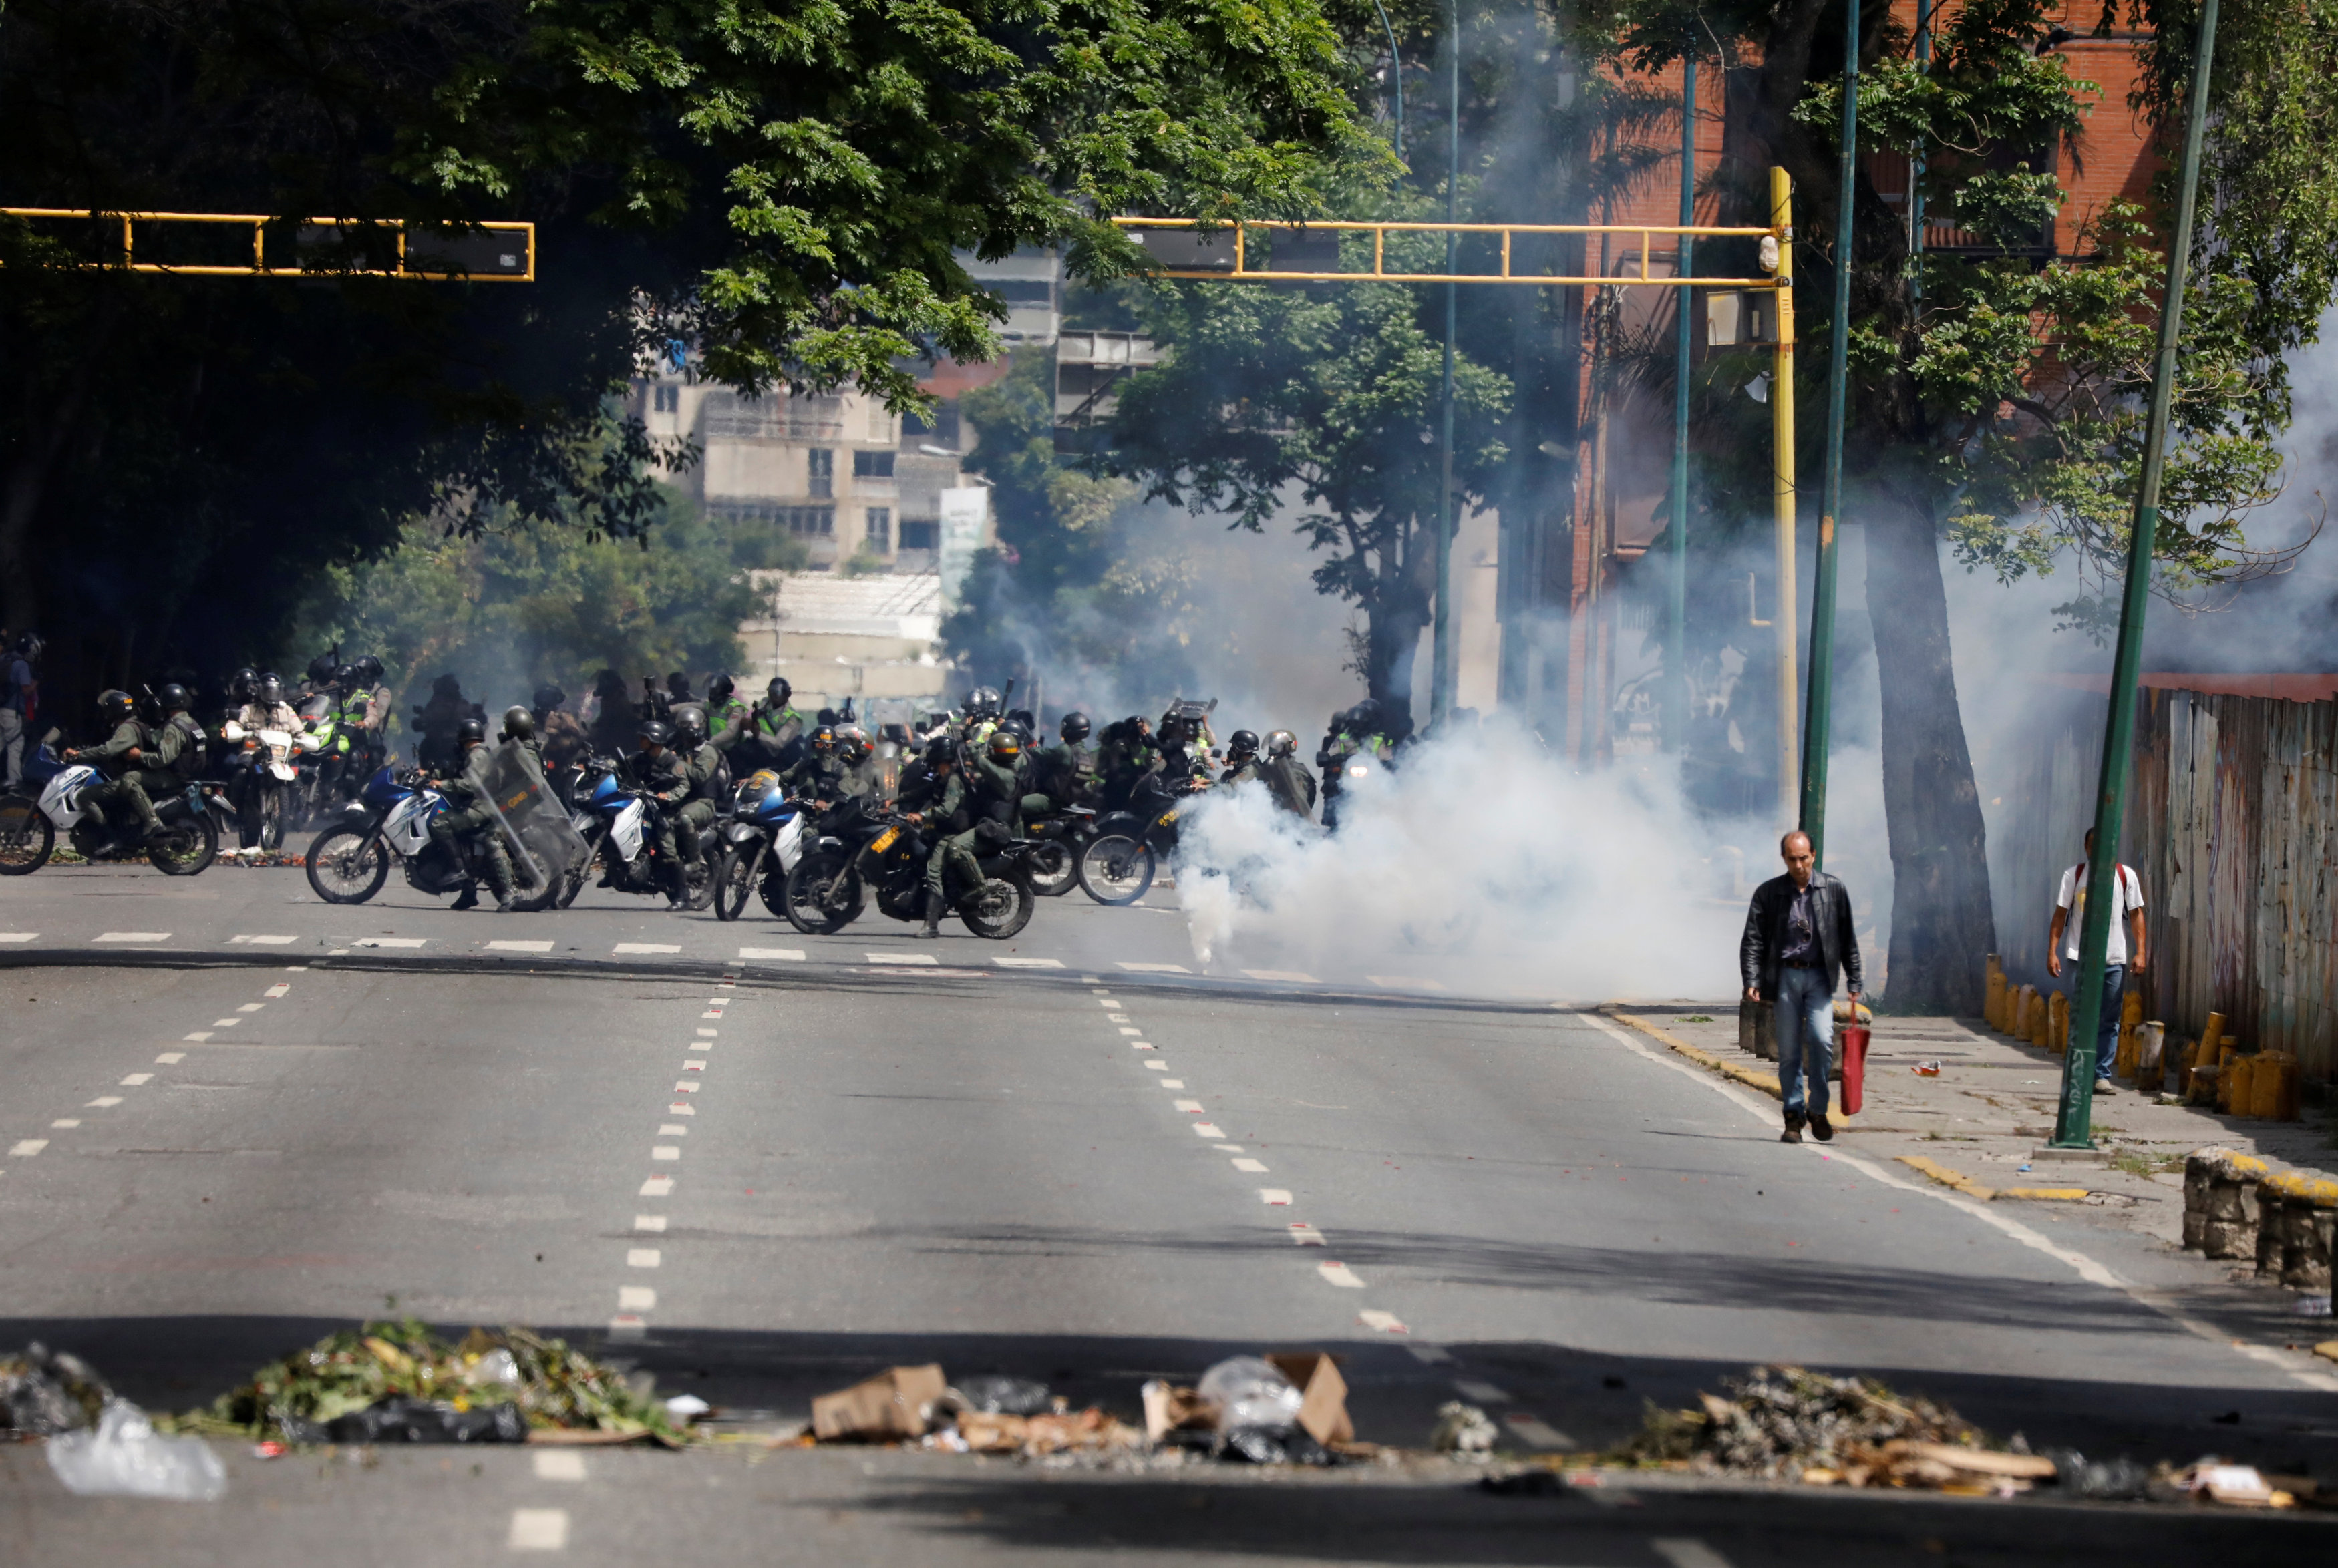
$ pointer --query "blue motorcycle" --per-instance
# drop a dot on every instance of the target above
(761, 845)
(389, 822)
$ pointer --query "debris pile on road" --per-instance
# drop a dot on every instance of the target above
(398, 1382)
(43, 1393)
(99, 1444)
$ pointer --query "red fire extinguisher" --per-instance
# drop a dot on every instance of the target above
(1854, 1067)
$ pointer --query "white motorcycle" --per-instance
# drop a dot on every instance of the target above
(271, 777)
(29, 827)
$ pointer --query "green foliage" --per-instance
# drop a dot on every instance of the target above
(509, 606)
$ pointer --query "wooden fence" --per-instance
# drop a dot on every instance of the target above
(2232, 822)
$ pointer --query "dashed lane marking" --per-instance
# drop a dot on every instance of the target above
(706, 1034)
(132, 937)
(25, 1148)
(694, 1065)
(1404, 983)
(684, 1086)
(657, 1187)
(1533, 1432)
(259, 941)
(682, 1108)
(627, 1326)
(790, 954)
(1155, 968)
(1029, 963)
(664, 1151)
(67, 1121)
(649, 1223)
(1483, 1393)
(1250, 1167)
(1380, 1322)
(674, 1130)
(901, 958)
(198, 1037)
(1209, 1130)
(1340, 1274)
(647, 947)
(520, 946)
(103, 1101)
(281, 988)
(1228, 1147)
(225, 1022)
(642, 1258)
(1155, 1066)
(18, 936)
(169, 1058)
(1109, 1002)
(559, 1464)
(636, 1299)
(251, 1007)
(389, 941)
(1125, 1029)
(1275, 1197)
(1170, 1083)
(1141, 1045)
(539, 1529)
(1192, 1105)
(1688, 1552)
(135, 1079)
(1295, 976)
(1304, 1234)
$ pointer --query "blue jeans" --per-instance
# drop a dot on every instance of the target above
(1805, 1013)
(2107, 1025)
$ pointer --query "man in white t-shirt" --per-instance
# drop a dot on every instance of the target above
(2125, 936)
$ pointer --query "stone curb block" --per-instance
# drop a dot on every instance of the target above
(1765, 1081)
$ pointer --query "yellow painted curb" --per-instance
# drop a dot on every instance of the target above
(2327, 1350)
(1946, 1177)
(2046, 1194)
(1765, 1081)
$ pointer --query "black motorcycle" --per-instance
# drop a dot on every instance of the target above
(1056, 841)
(1117, 863)
(860, 851)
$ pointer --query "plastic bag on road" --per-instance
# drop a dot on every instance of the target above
(402, 1419)
(995, 1395)
(1249, 1392)
(123, 1458)
(1273, 1445)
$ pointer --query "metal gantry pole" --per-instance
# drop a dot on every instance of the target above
(1782, 499)
(2073, 1121)
(1444, 678)
(1396, 76)
(1813, 817)
(1676, 726)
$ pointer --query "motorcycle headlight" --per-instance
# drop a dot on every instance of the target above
(1357, 770)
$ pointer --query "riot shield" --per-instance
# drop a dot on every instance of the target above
(545, 844)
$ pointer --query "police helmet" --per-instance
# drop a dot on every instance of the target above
(721, 689)
(1242, 743)
(1282, 743)
(29, 645)
(174, 698)
(115, 706)
(321, 668)
(269, 687)
(778, 691)
(239, 684)
(1076, 728)
(982, 702)
(677, 686)
(368, 669)
(470, 732)
(1026, 718)
(345, 676)
(689, 723)
(1005, 743)
(942, 752)
(1364, 717)
(548, 697)
(852, 747)
(655, 733)
(520, 724)
(823, 738)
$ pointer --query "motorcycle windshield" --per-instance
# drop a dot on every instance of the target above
(382, 791)
(545, 843)
(608, 793)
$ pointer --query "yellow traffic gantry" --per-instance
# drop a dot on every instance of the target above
(494, 251)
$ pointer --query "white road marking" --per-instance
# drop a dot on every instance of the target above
(169, 1058)
(198, 1037)
(710, 1015)
(264, 941)
(1531, 1431)
(1304, 1234)
(1140, 1046)
(664, 1151)
(18, 936)
(791, 955)
(684, 1086)
(647, 947)
(559, 1464)
(133, 936)
(105, 1101)
(1157, 1066)
(1381, 1322)
(682, 1108)
(251, 1007)
(636, 1299)
(1297, 977)
(281, 988)
(1688, 1552)
(338, 953)
(707, 1033)
(627, 1326)
(657, 1187)
(1228, 1147)
(1404, 983)
(1250, 1167)
(135, 1079)
(1209, 1130)
(225, 1022)
(694, 1064)
(520, 946)
(671, 1129)
(901, 959)
(1192, 1105)
(1340, 1274)
(25, 1148)
(649, 1223)
(1170, 1083)
(539, 1529)
(1029, 963)
(1109, 1002)
(389, 941)
(1483, 1393)
(1155, 968)
(641, 1258)
(718, 1001)
(1275, 1197)
(67, 1121)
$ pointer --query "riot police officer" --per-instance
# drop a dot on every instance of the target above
(473, 816)
(1065, 773)
(1288, 782)
(710, 778)
(119, 758)
(659, 770)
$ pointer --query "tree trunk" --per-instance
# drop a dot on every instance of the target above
(1942, 925)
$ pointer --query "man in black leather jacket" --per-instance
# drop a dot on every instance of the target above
(1798, 936)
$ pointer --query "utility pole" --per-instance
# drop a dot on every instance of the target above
(1396, 75)
(2073, 1120)
(1444, 678)
(1822, 588)
(1676, 722)
(1783, 497)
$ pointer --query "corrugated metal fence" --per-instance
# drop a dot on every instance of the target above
(2232, 822)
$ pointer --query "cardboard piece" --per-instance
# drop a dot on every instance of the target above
(1175, 1407)
(895, 1403)
(1323, 1405)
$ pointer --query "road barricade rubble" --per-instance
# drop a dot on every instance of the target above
(99, 1443)
(2236, 1205)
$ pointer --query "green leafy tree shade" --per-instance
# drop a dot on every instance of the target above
(505, 608)
(1328, 397)
(849, 146)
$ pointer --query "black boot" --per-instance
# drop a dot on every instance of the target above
(935, 905)
(677, 886)
(469, 899)
(1821, 1128)
(1793, 1132)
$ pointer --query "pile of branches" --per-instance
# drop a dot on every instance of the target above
(1786, 1423)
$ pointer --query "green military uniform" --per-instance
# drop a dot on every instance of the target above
(121, 776)
(472, 814)
(705, 770)
(1243, 772)
(665, 774)
(1067, 773)
(995, 783)
(942, 804)
(175, 760)
(1290, 785)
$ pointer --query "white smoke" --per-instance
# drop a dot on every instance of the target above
(1481, 866)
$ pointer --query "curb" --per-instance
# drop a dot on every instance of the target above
(1972, 1188)
(1765, 1081)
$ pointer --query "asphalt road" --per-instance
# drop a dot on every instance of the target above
(763, 1165)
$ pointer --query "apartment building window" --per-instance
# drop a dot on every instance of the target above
(666, 398)
(805, 522)
(880, 528)
(927, 536)
(872, 465)
(822, 471)
(809, 522)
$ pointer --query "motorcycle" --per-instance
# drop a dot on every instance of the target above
(860, 850)
(1116, 866)
(762, 842)
(29, 827)
(389, 822)
(1056, 842)
(326, 774)
(270, 774)
(619, 825)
